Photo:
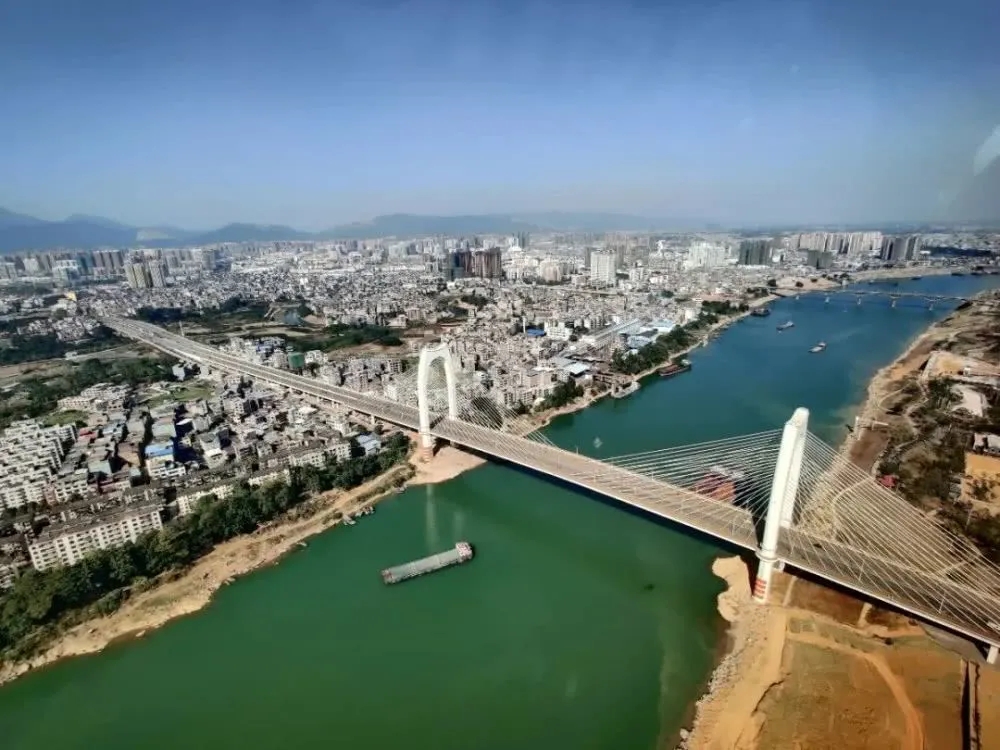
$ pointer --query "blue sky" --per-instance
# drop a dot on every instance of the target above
(311, 114)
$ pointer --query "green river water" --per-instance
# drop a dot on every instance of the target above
(578, 625)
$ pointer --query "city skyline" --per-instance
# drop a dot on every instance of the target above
(763, 113)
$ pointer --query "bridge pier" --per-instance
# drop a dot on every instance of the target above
(781, 504)
(992, 653)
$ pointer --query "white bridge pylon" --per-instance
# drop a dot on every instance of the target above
(781, 503)
(428, 356)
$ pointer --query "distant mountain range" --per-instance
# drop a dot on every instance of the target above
(20, 232)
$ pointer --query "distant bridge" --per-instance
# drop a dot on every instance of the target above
(929, 298)
(784, 494)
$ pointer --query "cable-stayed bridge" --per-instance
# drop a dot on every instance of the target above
(784, 494)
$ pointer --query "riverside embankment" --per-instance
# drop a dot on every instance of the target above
(577, 625)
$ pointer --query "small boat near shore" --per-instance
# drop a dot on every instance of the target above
(818, 348)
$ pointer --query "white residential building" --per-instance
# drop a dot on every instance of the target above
(69, 543)
(602, 268)
(30, 456)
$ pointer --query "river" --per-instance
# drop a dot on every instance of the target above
(578, 625)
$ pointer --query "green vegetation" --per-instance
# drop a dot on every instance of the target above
(475, 300)
(41, 602)
(340, 336)
(196, 389)
(234, 312)
(653, 354)
(71, 416)
(565, 393)
(35, 397)
(21, 349)
(672, 343)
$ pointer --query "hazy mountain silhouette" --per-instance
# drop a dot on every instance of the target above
(409, 225)
(46, 235)
(98, 221)
(12, 219)
(248, 233)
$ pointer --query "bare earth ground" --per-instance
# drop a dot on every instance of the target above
(819, 670)
(447, 464)
(193, 589)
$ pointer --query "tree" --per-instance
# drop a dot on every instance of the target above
(772, 283)
(981, 488)
(940, 393)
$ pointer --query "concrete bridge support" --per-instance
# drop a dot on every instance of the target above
(992, 652)
(781, 504)
(428, 355)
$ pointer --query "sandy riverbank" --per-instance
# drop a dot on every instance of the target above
(194, 588)
(447, 463)
(724, 716)
(864, 447)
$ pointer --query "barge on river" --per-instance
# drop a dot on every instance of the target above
(675, 368)
(461, 553)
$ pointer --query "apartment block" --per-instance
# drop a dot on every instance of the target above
(69, 543)
(30, 455)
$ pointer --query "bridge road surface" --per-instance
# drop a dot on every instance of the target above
(930, 597)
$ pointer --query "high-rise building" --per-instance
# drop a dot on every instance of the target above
(705, 255)
(482, 264)
(158, 273)
(755, 253)
(137, 276)
(900, 248)
(550, 270)
(602, 267)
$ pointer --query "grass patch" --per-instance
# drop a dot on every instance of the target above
(71, 416)
(184, 392)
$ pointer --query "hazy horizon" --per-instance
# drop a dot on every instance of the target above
(295, 113)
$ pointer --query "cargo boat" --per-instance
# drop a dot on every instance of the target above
(461, 553)
(786, 325)
(675, 368)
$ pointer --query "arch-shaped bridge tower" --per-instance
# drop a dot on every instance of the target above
(428, 355)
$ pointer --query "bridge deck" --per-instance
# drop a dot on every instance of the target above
(925, 594)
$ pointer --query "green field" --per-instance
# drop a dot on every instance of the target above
(192, 391)
(71, 416)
